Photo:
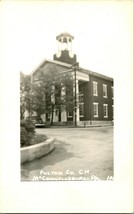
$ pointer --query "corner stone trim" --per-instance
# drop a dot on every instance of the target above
(36, 151)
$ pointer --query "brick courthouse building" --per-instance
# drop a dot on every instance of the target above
(96, 107)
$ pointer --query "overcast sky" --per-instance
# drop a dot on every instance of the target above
(102, 32)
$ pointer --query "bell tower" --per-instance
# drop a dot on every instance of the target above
(64, 53)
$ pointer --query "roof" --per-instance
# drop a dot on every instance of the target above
(64, 34)
(45, 61)
(66, 65)
(95, 74)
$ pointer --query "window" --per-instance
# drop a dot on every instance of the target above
(81, 109)
(81, 93)
(70, 114)
(95, 109)
(104, 90)
(112, 92)
(81, 100)
(81, 88)
(95, 88)
(81, 105)
(105, 110)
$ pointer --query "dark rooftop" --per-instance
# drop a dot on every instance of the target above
(64, 34)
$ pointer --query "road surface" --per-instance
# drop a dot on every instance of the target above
(79, 154)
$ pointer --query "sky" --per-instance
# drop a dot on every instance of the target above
(102, 32)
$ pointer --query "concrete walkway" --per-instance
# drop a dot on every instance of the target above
(79, 154)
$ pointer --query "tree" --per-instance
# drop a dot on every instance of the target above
(25, 90)
(38, 98)
(52, 91)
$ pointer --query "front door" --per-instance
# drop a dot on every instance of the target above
(59, 115)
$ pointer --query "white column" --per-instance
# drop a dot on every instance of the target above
(55, 118)
(63, 113)
(63, 116)
(68, 47)
(43, 116)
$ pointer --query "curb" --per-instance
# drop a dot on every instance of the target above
(33, 152)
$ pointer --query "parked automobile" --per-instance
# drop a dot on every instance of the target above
(37, 121)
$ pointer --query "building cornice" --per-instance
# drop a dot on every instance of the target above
(66, 65)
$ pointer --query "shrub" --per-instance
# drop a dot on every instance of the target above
(27, 132)
(39, 138)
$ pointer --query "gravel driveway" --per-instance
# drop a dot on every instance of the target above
(79, 154)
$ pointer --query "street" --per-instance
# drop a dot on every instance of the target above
(80, 153)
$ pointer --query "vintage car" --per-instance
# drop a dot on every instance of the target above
(37, 121)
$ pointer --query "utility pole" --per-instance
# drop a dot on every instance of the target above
(75, 95)
(75, 110)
